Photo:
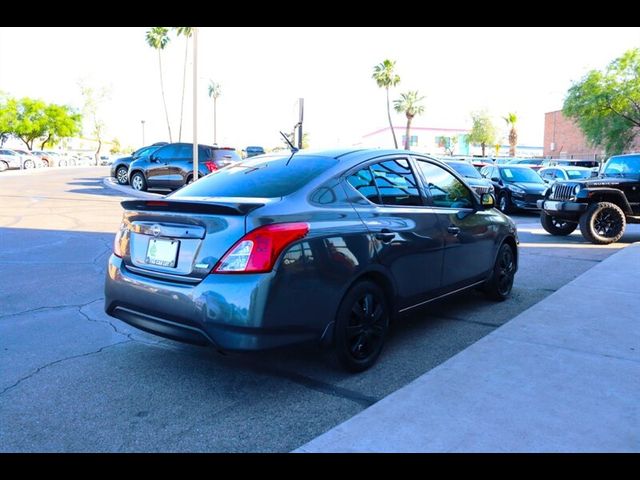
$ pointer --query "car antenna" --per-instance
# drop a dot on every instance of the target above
(293, 149)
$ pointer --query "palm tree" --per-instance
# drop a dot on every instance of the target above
(385, 77)
(158, 38)
(214, 92)
(511, 120)
(409, 104)
(186, 32)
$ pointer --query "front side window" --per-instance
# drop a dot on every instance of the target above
(167, 152)
(396, 183)
(445, 189)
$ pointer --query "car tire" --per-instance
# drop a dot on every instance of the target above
(361, 326)
(603, 223)
(122, 175)
(189, 180)
(557, 226)
(29, 164)
(4, 166)
(138, 182)
(45, 163)
(63, 163)
(504, 203)
(500, 283)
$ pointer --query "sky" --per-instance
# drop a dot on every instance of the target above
(264, 70)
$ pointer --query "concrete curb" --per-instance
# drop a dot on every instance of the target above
(542, 382)
(110, 182)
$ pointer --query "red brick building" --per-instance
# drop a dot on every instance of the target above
(564, 139)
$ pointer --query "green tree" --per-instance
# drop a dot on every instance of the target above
(93, 99)
(30, 120)
(158, 38)
(115, 146)
(385, 77)
(448, 143)
(606, 104)
(511, 120)
(186, 32)
(8, 114)
(409, 104)
(483, 132)
(215, 90)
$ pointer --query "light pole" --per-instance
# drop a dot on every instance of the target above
(142, 122)
(195, 103)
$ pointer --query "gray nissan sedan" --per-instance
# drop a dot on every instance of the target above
(326, 247)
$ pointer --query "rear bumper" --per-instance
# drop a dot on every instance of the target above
(226, 311)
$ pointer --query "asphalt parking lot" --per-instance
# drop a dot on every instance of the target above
(74, 380)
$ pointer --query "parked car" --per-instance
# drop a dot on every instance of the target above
(120, 166)
(12, 159)
(44, 157)
(471, 176)
(253, 151)
(553, 174)
(601, 206)
(517, 186)
(171, 166)
(533, 163)
(569, 162)
(323, 247)
(29, 160)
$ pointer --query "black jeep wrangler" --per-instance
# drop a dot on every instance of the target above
(602, 206)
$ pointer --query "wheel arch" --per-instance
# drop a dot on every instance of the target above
(611, 195)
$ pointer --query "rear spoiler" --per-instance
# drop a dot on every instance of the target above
(165, 205)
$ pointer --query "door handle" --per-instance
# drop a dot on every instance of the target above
(385, 235)
(453, 230)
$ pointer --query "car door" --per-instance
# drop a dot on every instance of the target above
(407, 235)
(180, 166)
(469, 233)
(158, 165)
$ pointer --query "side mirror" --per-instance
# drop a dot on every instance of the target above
(153, 158)
(487, 200)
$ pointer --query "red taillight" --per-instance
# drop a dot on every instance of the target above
(259, 249)
(211, 166)
(156, 203)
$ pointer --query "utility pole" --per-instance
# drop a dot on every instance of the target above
(195, 103)
(143, 142)
(300, 118)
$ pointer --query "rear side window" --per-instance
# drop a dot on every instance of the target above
(227, 155)
(269, 177)
(363, 182)
(396, 183)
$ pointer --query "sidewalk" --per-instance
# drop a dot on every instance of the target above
(563, 376)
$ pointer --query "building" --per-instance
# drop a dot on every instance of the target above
(440, 141)
(564, 139)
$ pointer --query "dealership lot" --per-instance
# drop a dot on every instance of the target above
(74, 379)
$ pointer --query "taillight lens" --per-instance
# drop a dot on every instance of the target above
(259, 249)
(117, 250)
(211, 166)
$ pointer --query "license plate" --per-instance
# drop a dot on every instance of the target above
(550, 205)
(162, 252)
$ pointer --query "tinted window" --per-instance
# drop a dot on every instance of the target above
(184, 152)
(577, 174)
(226, 155)
(445, 189)
(396, 183)
(362, 181)
(167, 152)
(144, 151)
(268, 177)
(465, 169)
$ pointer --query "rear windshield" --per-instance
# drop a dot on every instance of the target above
(269, 177)
(465, 169)
(221, 154)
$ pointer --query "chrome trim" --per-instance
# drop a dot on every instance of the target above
(441, 296)
(167, 276)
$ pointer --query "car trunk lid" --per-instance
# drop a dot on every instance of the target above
(181, 240)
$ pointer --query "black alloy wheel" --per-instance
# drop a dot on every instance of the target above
(556, 226)
(500, 284)
(603, 223)
(361, 326)
(121, 175)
